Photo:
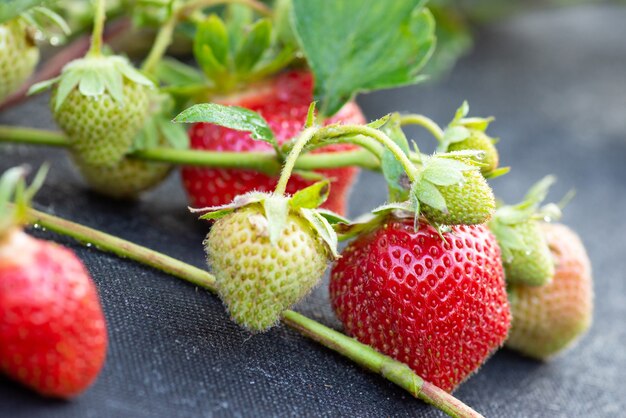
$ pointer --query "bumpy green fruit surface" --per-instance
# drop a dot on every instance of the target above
(256, 279)
(18, 56)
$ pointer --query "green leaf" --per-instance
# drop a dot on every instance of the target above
(402, 207)
(10, 9)
(392, 169)
(91, 84)
(253, 47)
(378, 123)
(42, 86)
(311, 197)
(427, 193)
(323, 228)
(500, 171)
(238, 17)
(173, 72)
(455, 134)
(477, 124)
(310, 115)
(175, 135)
(442, 177)
(66, 85)
(332, 217)
(276, 212)
(445, 171)
(211, 46)
(362, 45)
(460, 113)
(232, 117)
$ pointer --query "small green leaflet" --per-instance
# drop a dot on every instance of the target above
(233, 117)
(253, 46)
(211, 47)
(428, 194)
(362, 45)
(325, 230)
(10, 9)
(311, 197)
(393, 171)
(276, 212)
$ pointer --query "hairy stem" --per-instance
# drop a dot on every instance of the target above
(160, 45)
(98, 28)
(423, 121)
(361, 354)
(260, 161)
(379, 136)
(285, 174)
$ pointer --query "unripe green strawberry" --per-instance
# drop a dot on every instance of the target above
(549, 318)
(101, 102)
(258, 280)
(533, 264)
(18, 55)
(100, 129)
(126, 179)
(469, 202)
(479, 141)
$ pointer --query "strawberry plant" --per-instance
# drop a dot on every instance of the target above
(431, 283)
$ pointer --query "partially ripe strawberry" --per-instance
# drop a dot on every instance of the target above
(548, 319)
(18, 55)
(256, 279)
(438, 306)
(469, 202)
(284, 103)
(52, 330)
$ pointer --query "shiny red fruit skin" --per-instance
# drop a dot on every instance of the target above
(52, 330)
(439, 307)
(284, 103)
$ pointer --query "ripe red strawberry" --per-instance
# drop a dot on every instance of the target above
(440, 307)
(284, 103)
(52, 331)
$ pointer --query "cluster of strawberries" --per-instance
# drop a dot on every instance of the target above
(439, 278)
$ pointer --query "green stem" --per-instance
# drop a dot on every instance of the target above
(160, 45)
(98, 28)
(361, 354)
(425, 122)
(348, 130)
(285, 174)
(260, 161)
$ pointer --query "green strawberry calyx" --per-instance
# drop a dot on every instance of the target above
(507, 217)
(274, 210)
(94, 76)
(465, 132)
(15, 196)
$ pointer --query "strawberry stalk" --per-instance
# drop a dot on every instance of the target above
(290, 163)
(367, 357)
(349, 131)
(425, 122)
(259, 161)
(98, 29)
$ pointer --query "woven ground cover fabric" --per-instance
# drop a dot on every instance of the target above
(556, 82)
